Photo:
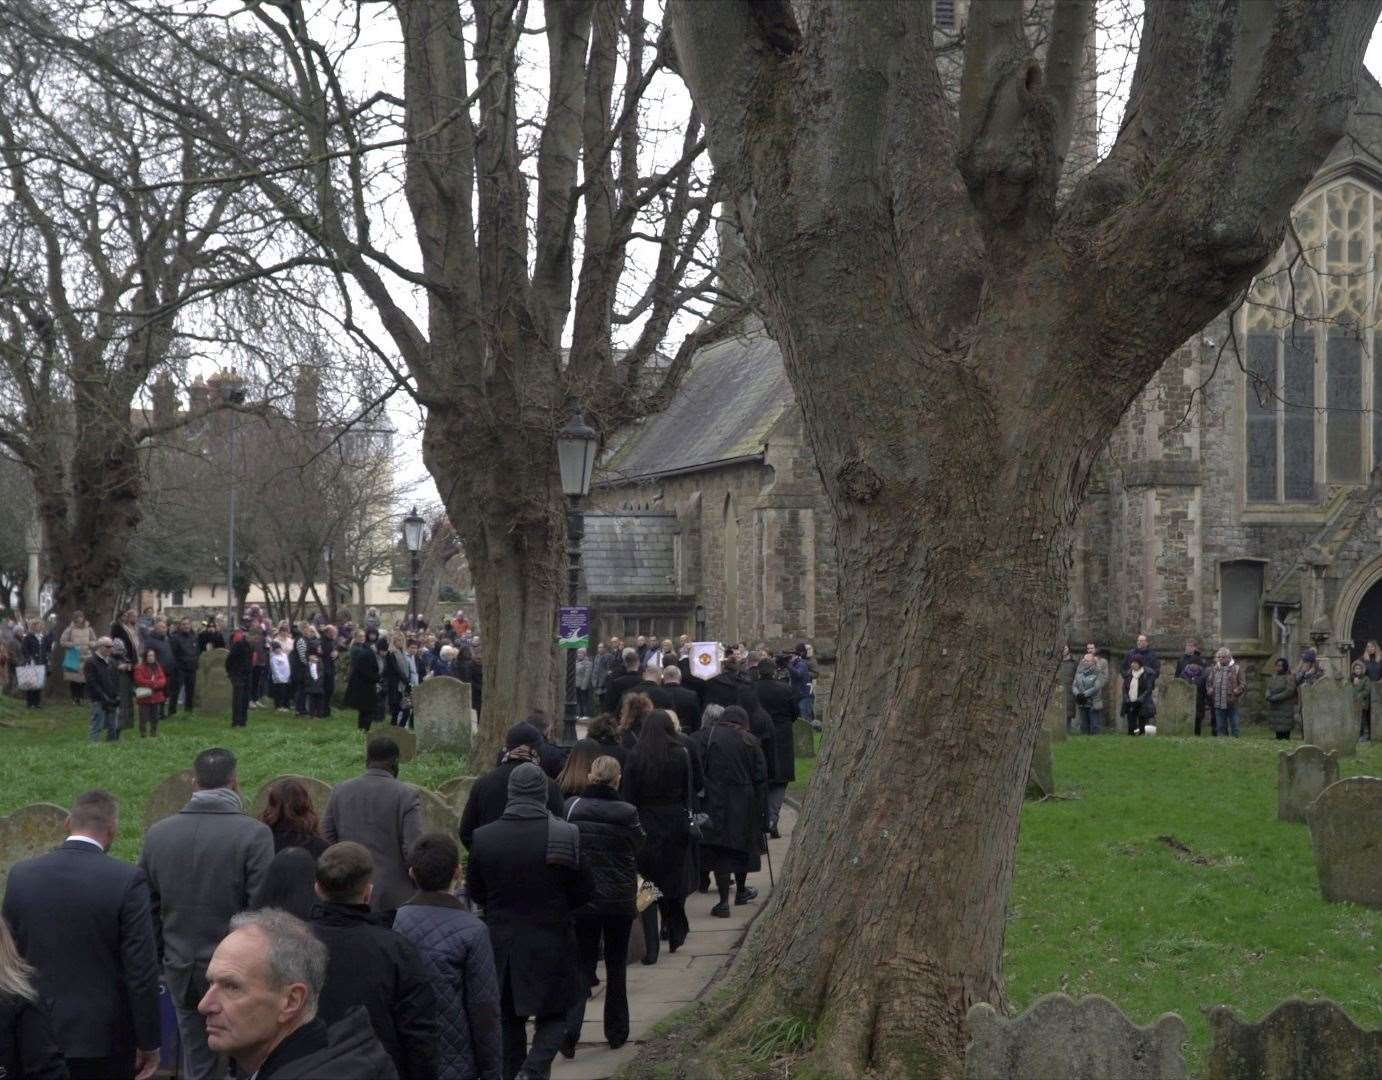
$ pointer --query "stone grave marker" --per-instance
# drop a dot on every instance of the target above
(442, 716)
(213, 684)
(405, 737)
(169, 797)
(1301, 775)
(1053, 719)
(31, 830)
(437, 814)
(319, 791)
(1175, 707)
(1041, 776)
(1346, 835)
(1298, 1040)
(1327, 708)
(456, 791)
(803, 739)
(1058, 1038)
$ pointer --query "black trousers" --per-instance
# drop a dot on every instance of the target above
(1201, 709)
(614, 931)
(240, 701)
(328, 686)
(181, 680)
(535, 1060)
(115, 1067)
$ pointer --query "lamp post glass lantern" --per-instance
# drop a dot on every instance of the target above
(577, 444)
(412, 540)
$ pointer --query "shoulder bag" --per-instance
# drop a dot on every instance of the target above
(695, 821)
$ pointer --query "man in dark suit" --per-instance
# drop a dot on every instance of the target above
(489, 795)
(618, 685)
(82, 919)
(525, 871)
(780, 703)
(685, 703)
(382, 813)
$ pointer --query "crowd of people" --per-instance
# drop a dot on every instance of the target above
(351, 943)
(1219, 686)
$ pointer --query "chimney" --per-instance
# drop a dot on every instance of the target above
(165, 400)
(306, 405)
(198, 395)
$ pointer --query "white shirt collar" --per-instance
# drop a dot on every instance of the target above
(87, 840)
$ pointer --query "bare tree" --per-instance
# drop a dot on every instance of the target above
(525, 206)
(962, 344)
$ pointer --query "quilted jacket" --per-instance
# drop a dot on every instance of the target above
(610, 838)
(456, 951)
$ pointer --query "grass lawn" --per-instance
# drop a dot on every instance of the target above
(45, 757)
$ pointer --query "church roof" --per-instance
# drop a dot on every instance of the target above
(733, 395)
(630, 552)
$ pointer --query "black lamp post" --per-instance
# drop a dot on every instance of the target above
(412, 540)
(577, 443)
(330, 583)
(233, 393)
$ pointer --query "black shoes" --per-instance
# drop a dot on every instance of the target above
(568, 1048)
(720, 910)
(745, 895)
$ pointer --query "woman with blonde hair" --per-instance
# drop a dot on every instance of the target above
(28, 1050)
(79, 637)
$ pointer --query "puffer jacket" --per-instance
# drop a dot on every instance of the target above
(456, 951)
(611, 837)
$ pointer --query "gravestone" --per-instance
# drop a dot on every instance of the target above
(1053, 719)
(442, 716)
(31, 830)
(319, 791)
(1327, 708)
(406, 739)
(1058, 1038)
(169, 797)
(803, 739)
(1175, 707)
(456, 791)
(437, 814)
(1346, 835)
(342, 678)
(1301, 775)
(1298, 1040)
(213, 684)
(1041, 776)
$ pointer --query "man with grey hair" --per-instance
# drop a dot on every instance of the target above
(260, 1006)
(103, 691)
(621, 684)
(672, 695)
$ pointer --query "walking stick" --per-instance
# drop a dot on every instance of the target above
(768, 850)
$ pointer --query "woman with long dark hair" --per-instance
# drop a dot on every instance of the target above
(660, 777)
(575, 772)
(631, 713)
(736, 801)
(292, 818)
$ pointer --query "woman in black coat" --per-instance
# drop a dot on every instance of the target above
(1138, 704)
(659, 776)
(362, 686)
(736, 778)
(31, 647)
(611, 837)
(28, 1050)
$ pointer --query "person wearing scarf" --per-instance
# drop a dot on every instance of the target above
(525, 871)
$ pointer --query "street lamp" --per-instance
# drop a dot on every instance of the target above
(577, 443)
(330, 584)
(412, 540)
(232, 389)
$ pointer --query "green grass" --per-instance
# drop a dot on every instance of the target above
(1102, 905)
(45, 757)
(805, 769)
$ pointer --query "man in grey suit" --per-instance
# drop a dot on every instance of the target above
(82, 919)
(203, 864)
(383, 814)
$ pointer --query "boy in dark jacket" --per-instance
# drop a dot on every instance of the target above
(371, 965)
(456, 952)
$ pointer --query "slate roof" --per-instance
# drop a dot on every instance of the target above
(630, 553)
(732, 396)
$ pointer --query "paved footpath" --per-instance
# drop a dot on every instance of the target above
(658, 990)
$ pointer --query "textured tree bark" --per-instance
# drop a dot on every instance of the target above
(961, 347)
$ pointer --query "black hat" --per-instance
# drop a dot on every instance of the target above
(522, 734)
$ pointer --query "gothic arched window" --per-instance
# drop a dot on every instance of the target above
(1313, 351)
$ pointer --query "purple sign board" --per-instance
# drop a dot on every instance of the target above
(574, 628)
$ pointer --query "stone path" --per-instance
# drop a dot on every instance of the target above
(658, 990)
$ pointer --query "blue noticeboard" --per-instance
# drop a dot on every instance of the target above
(574, 628)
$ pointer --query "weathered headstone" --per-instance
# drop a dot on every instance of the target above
(1346, 835)
(1298, 1040)
(1175, 707)
(30, 830)
(1327, 708)
(319, 791)
(442, 716)
(456, 791)
(213, 684)
(1053, 719)
(1301, 775)
(169, 797)
(406, 739)
(803, 739)
(1058, 1038)
(437, 814)
(1041, 777)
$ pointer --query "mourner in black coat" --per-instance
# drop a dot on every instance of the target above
(489, 795)
(362, 685)
(736, 802)
(524, 871)
(685, 703)
(779, 701)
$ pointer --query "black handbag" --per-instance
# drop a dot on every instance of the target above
(695, 820)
